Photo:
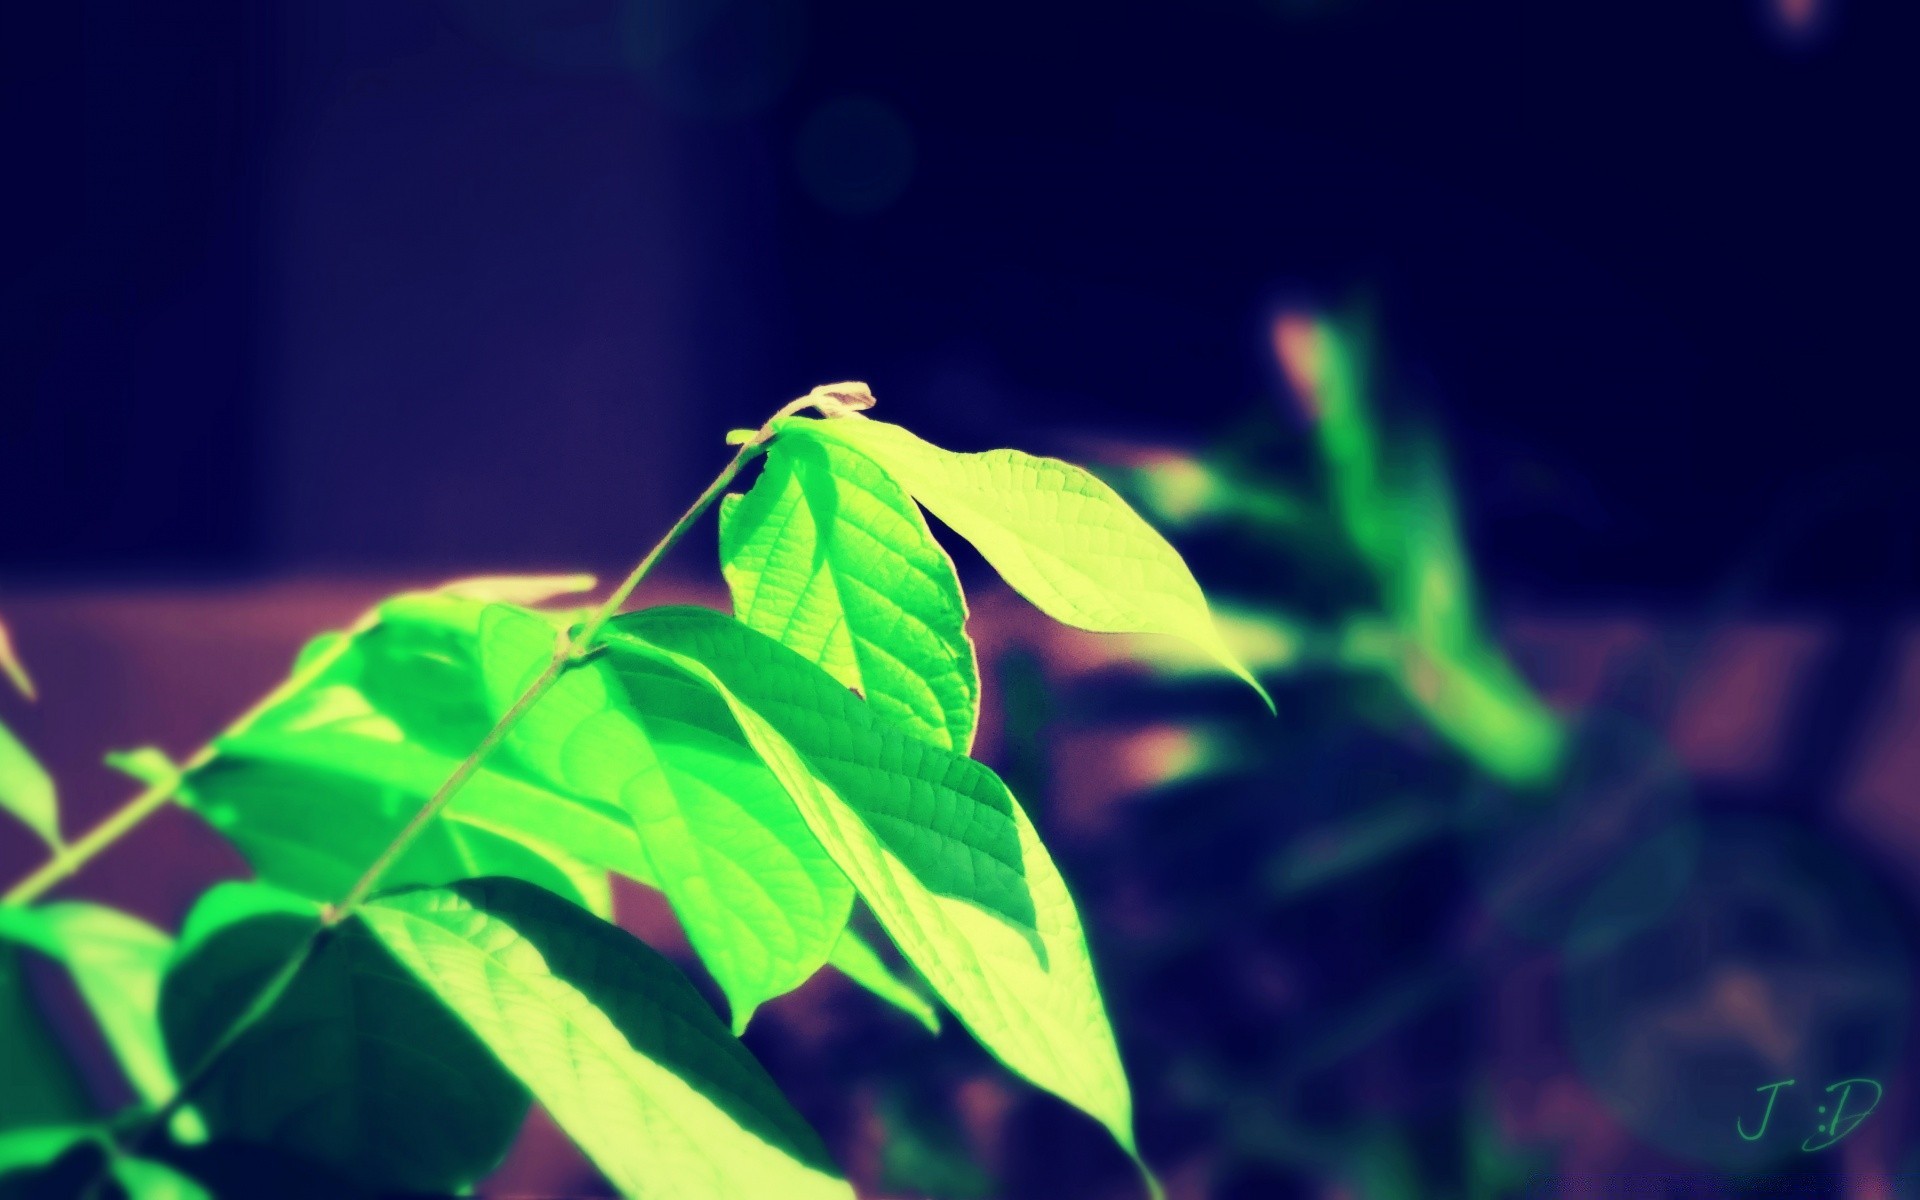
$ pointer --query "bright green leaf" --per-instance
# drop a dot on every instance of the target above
(145, 1179)
(611, 1039)
(25, 789)
(315, 786)
(945, 815)
(315, 826)
(357, 1066)
(760, 900)
(37, 1145)
(860, 962)
(1038, 1010)
(1055, 532)
(829, 556)
(148, 764)
(116, 961)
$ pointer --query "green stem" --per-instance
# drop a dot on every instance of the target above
(569, 652)
(76, 854)
(73, 855)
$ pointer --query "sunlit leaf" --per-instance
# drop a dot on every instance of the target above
(760, 900)
(116, 961)
(829, 556)
(312, 812)
(611, 1040)
(25, 789)
(946, 816)
(313, 788)
(913, 834)
(860, 962)
(1055, 532)
(357, 1066)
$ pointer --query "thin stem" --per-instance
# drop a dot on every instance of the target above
(445, 792)
(70, 857)
(571, 651)
(123, 820)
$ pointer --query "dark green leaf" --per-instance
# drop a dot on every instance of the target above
(116, 961)
(357, 1066)
(38, 1086)
(947, 817)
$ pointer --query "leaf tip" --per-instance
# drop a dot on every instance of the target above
(15, 670)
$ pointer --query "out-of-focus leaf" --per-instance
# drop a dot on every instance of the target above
(860, 962)
(830, 557)
(526, 590)
(357, 1066)
(611, 1039)
(760, 900)
(58, 1162)
(1452, 670)
(922, 1152)
(145, 1179)
(906, 821)
(25, 789)
(39, 1085)
(11, 666)
(148, 764)
(37, 1145)
(116, 961)
(1055, 532)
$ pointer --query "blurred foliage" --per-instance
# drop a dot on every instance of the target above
(1277, 906)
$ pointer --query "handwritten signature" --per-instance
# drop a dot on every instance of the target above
(1842, 1123)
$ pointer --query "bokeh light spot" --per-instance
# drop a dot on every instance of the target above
(715, 58)
(855, 155)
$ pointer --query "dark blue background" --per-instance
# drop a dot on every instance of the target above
(381, 283)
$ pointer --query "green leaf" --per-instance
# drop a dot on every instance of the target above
(311, 812)
(148, 764)
(1056, 533)
(145, 1179)
(25, 789)
(357, 1066)
(11, 666)
(39, 1085)
(860, 962)
(38, 1145)
(313, 788)
(611, 1039)
(65, 1160)
(830, 557)
(945, 815)
(1037, 1009)
(760, 900)
(116, 961)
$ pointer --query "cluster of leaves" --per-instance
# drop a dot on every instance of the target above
(490, 757)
